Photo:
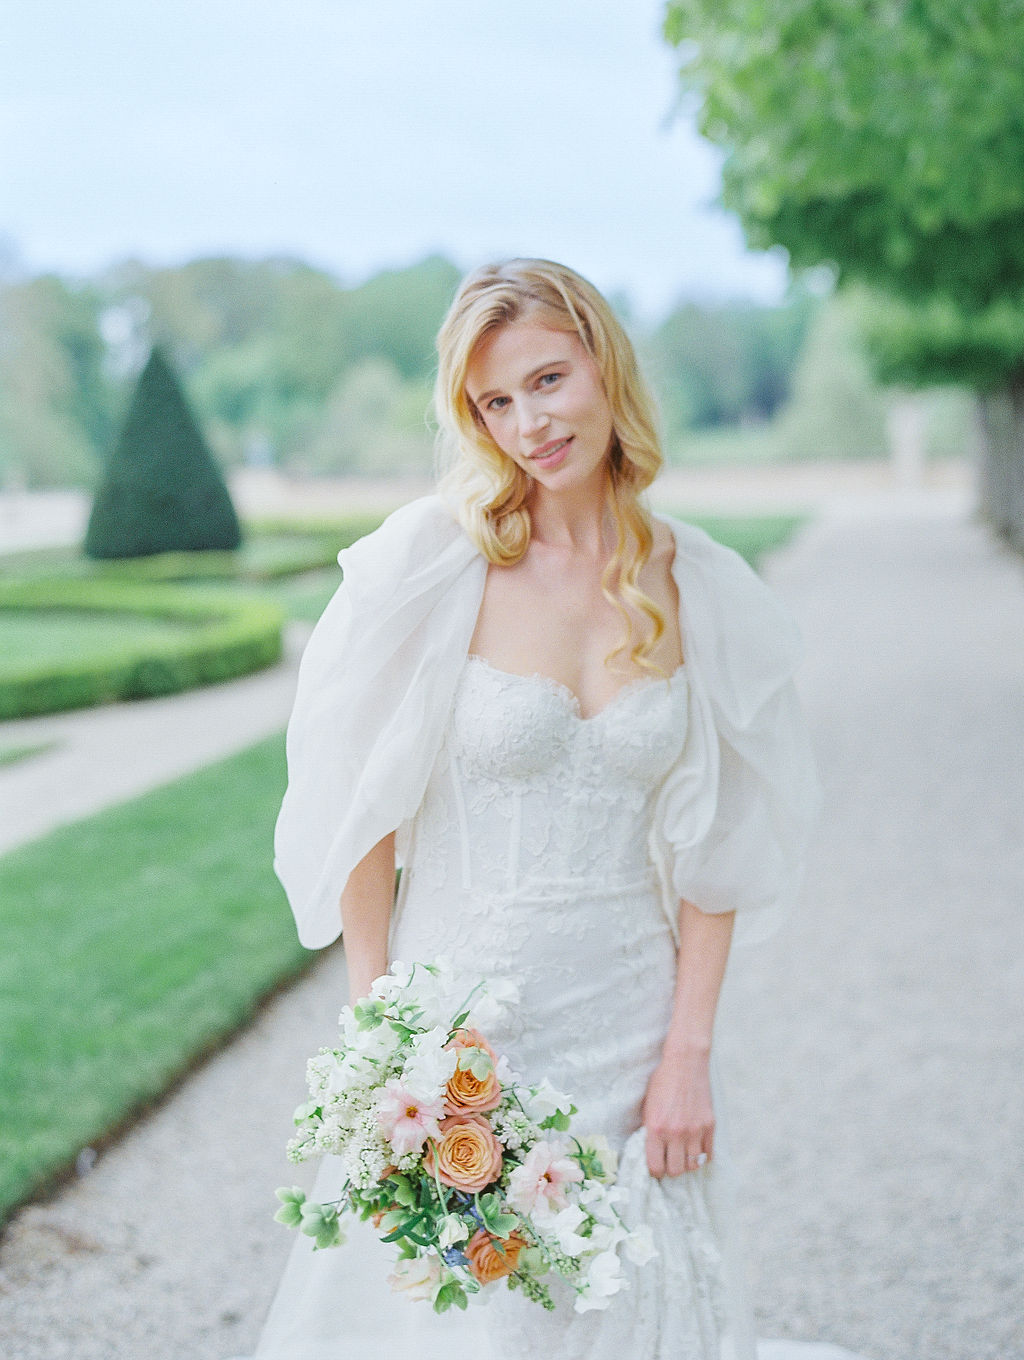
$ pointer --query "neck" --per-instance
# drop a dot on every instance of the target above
(575, 519)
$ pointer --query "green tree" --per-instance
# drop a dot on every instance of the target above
(885, 139)
(161, 490)
(836, 409)
(725, 365)
(374, 423)
(56, 403)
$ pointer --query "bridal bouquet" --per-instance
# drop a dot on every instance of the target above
(475, 1176)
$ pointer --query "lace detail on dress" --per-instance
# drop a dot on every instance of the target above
(531, 860)
(537, 791)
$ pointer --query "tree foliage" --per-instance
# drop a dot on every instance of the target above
(725, 365)
(936, 341)
(285, 364)
(161, 490)
(57, 405)
(885, 137)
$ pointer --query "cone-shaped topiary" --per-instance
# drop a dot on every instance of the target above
(161, 491)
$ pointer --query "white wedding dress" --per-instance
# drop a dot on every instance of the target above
(530, 857)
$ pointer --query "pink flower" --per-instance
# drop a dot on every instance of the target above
(406, 1120)
(539, 1182)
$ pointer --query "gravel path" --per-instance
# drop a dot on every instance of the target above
(874, 1047)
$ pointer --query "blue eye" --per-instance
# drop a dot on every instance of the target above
(550, 378)
(496, 403)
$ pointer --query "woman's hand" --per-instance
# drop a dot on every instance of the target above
(678, 1114)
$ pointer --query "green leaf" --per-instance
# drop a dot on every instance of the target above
(405, 1229)
(559, 1120)
(531, 1260)
(501, 1225)
(330, 1235)
(450, 1293)
(289, 1214)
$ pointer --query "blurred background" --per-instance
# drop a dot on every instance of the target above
(228, 233)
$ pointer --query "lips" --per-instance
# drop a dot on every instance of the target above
(549, 449)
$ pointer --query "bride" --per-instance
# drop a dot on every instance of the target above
(573, 723)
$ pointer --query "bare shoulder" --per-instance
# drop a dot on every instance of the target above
(664, 546)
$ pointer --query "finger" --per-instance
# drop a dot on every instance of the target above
(678, 1159)
(655, 1155)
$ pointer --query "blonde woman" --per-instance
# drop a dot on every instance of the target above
(573, 723)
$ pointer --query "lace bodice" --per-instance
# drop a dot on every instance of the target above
(527, 794)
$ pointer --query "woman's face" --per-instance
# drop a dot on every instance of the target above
(540, 395)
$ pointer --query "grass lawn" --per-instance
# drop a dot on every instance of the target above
(129, 944)
(31, 637)
(751, 535)
(10, 755)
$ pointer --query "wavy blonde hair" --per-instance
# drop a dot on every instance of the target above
(487, 488)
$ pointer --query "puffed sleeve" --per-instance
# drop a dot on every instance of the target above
(375, 685)
(735, 815)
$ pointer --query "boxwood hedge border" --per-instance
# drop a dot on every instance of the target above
(229, 635)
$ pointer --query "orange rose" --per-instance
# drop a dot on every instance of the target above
(465, 1092)
(468, 1157)
(490, 1258)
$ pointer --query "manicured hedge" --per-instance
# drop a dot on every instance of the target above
(272, 551)
(228, 636)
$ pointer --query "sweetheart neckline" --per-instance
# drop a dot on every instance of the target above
(557, 687)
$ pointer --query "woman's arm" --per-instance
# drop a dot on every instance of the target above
(677, 1111)
(366, 906)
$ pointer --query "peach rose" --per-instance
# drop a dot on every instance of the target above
(490, 1258)
(465, 1092)
(468, 1156)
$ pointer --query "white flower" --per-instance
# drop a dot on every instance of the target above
(546, 1100)
(639, 1246)
(372, 1045)
(490, 1004)
(453, 1231)
(395, 980)
(503, 1071)
(417, 1278)
(597, 1143)
(599, 1198)
(429, 1064)
(605, 1236)
(604, 1279)
(561, 1227)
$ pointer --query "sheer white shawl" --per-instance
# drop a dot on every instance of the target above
(376, 685)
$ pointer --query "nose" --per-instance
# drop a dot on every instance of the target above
(533, 419)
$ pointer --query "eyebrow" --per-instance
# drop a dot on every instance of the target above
(533, 373)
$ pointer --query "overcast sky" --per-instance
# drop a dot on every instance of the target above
(361, 134)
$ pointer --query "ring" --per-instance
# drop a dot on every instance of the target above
(701, 1158)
